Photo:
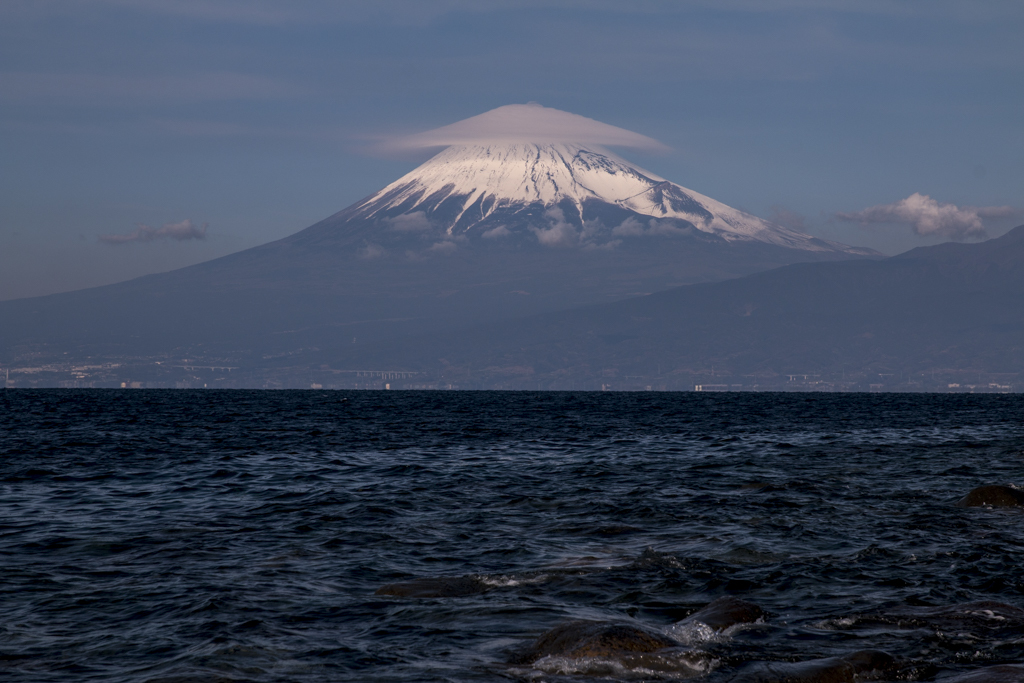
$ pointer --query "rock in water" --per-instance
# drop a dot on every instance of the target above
(843, 669)
(724, 612)
(583, 638)
(438, 587)
(1006, 673)
(994, 496)
(982, 614)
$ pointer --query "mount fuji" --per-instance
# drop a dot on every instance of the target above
(553, 195)
(522, 211)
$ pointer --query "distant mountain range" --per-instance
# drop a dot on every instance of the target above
(478, 233)
(947, 312)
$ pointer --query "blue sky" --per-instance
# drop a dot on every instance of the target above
(260, 118)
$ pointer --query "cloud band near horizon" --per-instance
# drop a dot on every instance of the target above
(928, 217)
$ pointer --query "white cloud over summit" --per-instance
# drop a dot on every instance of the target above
(927, 217)
(526, 123)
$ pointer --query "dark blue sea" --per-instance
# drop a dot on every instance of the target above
(171, 536)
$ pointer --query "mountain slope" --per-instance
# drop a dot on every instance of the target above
(952, 308)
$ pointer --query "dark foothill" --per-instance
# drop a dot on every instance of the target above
(992, 496)
(594, 639)
(724, 612)
(843, 669)
(1005, 673)
(438, 587)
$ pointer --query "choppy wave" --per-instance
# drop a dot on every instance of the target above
(179, 536)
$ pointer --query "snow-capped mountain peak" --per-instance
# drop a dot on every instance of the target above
(467, 189)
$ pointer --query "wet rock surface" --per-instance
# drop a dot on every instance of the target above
(437, 587)
(583, 638)
(983, 616)
(992, 496)
(725, 612)
(1005, 673)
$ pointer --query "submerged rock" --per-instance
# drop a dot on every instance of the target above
(582, 638)
(829, 670)
(992, 496)
(1005, 673)
(437, 587)
(707, 624)
(598, 648)
(724, 612)
(982, 614)
(982, 618)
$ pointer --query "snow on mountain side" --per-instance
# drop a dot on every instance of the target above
(533, 188)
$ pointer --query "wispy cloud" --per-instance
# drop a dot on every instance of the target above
(928, 217)
(185, 230)
(526, 123)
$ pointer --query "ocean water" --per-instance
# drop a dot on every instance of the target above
(244, 535)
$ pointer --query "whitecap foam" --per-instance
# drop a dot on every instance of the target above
(697, 632)
(692, 633)
(503, 581)
(838, 623)
(658, 665)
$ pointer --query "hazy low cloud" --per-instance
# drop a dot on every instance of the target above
(559, 233)
(443, 247)
(495, 233)
(631, 227)
(370, 251)
(416, 221)
(182, 231)
(526, 123)
(927, 217)
(562, 233)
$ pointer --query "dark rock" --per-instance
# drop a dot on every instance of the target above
(829, 670)
(724, 612)
(992, 496)
(1005, 673)
(437, 587)
(982, 614)
(594, 639)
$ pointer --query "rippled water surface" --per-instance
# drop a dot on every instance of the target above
(205, 536)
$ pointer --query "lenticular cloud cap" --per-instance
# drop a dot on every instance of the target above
(527, 123)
